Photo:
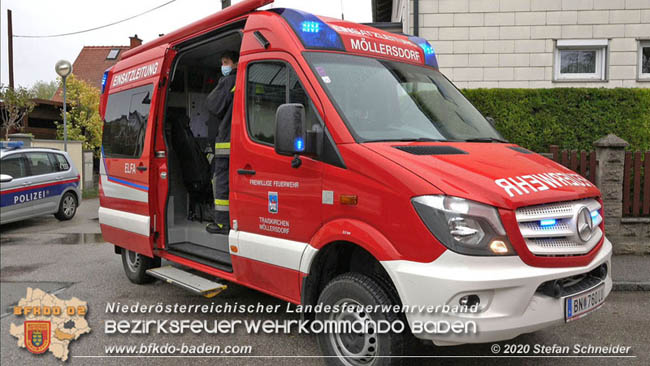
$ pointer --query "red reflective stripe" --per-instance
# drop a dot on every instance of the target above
(41, 185)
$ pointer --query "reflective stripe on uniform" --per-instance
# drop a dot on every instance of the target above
(221, 205)
(222, 149)
(221, 152)
(232, 90)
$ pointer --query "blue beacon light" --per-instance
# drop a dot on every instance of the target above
(299, 144)
(310, 26)
(313, 32)
(429, 51)
(104, 79)
(547, 223)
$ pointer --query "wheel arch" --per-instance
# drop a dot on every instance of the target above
(74, 192)
(346, 246)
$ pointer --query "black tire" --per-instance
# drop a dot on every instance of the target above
(67, 207)
(361, 349)
(136, 266)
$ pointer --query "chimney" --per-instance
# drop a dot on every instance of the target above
(135, 41)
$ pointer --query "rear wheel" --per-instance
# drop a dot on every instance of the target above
(136, 266)
(67, 207)
(360, 349)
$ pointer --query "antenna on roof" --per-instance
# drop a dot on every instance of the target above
(342, 16)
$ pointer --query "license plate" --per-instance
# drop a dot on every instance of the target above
(579, 305)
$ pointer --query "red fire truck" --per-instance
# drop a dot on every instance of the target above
(359, 174)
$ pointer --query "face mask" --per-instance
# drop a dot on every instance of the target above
(225, 70)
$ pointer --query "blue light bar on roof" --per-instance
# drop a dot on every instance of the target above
(104, 79)
(429, 52)
(313, 32)
(11, 144)
(310, 27)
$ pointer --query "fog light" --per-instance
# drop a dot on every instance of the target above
(498, 247)
(469, 300)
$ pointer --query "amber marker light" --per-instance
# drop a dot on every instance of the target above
(348, 199)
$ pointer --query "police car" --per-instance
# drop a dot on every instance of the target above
(36, 182)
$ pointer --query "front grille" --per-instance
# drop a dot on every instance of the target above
(552, 229)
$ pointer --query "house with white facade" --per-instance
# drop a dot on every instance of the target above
(534, 43)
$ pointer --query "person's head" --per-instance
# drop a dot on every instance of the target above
(229, 61)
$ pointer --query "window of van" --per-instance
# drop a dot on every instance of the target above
(268, 85)
(39, 163)
(125, 122)
(14, 165)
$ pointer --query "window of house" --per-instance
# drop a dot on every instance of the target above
(644, 60)
(270, 84)
(580, 60)
(112, 54)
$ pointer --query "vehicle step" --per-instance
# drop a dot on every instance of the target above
(187, 280)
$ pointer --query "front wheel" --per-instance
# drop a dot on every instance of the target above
(67, 207)
(136, 266)
(350, 292)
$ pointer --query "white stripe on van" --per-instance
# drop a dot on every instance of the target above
(279, 252)
(123, 220)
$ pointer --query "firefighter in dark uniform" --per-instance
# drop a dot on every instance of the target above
(219, 104)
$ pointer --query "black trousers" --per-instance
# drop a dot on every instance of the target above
(221, 189)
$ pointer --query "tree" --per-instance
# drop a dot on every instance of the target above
(44, 90)
(16, 104)
(84, 122)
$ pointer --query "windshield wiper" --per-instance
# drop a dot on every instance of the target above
(486, 139)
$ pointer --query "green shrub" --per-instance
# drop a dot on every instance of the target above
(572, 118)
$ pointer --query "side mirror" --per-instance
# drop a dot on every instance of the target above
(291, 136)
(6, 178)
(492, 121)
(290, 129)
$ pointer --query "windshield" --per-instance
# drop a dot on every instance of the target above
(392, 101)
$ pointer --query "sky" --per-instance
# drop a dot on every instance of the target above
(34, 58)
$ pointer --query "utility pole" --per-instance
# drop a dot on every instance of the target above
(10, 52)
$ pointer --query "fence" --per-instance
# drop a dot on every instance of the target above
(636, 176)
(584, 163)
(624, 181)
(636, 184)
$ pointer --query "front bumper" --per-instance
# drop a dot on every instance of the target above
(506, 286)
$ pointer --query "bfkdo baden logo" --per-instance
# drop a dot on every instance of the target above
(37, 335)
(51, 324)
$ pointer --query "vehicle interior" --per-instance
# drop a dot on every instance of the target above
(189, 135)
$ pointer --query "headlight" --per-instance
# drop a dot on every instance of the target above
(464, 226)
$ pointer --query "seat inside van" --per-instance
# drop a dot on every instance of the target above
(190, 135)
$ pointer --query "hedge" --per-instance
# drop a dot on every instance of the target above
(572, 118)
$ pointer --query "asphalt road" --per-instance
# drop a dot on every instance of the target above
(71, 260)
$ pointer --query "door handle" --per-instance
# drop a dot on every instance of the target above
(245, 171)
(142, 168)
